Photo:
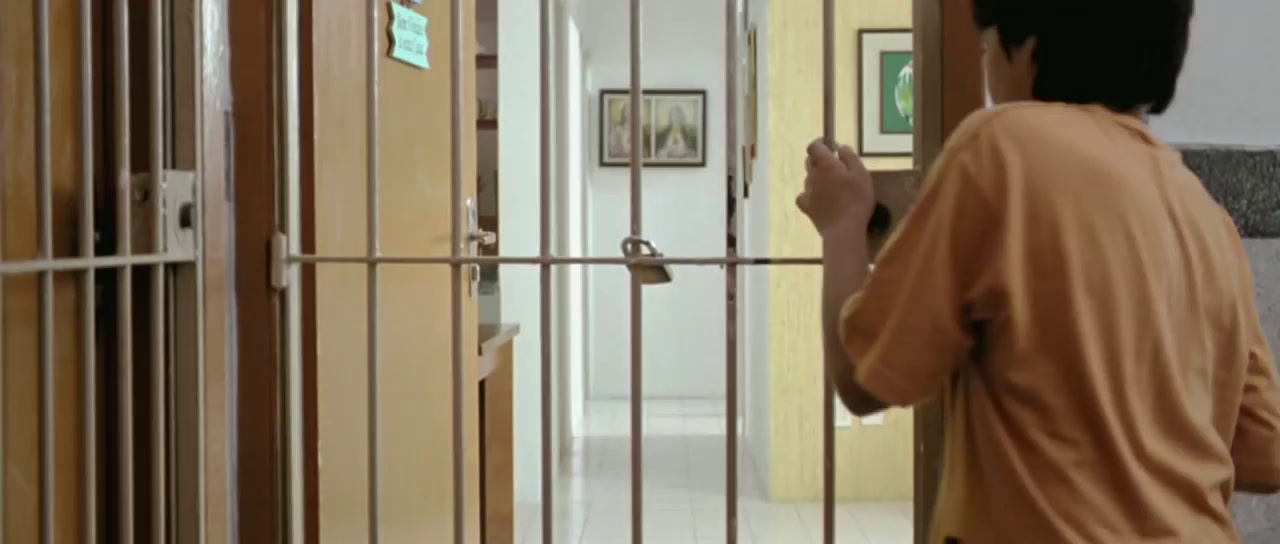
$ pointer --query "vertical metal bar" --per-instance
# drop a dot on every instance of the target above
(3, 413)
(731, 27)
(372, 246)
(457, 218)
(3, 366)
(124, 289)
(288, 223)
(828, 390)
(544, 270)
(44, 179)
(191, 18)
(159, 400)
(88, 323)
(637, 295)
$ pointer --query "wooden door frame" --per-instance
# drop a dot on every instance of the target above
(948, 53)
(259, 121)
(260, 425)
(213, 162)
(258, 73)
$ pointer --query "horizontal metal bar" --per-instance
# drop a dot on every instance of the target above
(492, 260)
(75, 264)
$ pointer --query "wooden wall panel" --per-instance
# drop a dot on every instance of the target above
(872, 462)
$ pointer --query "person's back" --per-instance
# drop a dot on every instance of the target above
(1117, 330)
(1083, 304)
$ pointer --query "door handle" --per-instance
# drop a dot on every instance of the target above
(482, 238)
(476, 238)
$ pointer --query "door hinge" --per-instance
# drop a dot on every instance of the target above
(279, 264)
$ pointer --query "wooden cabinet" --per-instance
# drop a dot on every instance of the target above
(497, 456)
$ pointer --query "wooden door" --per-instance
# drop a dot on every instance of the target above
(414, 401)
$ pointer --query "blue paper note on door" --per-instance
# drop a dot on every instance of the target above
(409, 42)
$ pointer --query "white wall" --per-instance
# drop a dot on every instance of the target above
(519, 154)
(568, 228)
(754, 300)
(684, 208)
(1228, 90)
(519, 162)
(576, 155)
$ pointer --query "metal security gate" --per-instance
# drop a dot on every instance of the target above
(639, 255)
(119, 380)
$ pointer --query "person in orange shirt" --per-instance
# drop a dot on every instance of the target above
(1082, 305)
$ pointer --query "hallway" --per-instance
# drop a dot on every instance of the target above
(684, 487)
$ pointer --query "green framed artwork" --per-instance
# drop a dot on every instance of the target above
(886, 86)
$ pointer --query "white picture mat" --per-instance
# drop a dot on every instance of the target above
(872, 45)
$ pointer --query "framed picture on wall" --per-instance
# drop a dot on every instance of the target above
(886, 90)
(673, 127)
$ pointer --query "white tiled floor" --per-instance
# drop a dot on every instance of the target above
(684, 486)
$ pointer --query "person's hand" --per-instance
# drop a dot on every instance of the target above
(838, 193)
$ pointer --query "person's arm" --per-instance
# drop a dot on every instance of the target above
(839, 198)
(910, 326)
(845, 258)
(1255, 449)
(892, 337)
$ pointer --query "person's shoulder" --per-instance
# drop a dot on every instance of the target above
(1014, 122)
(988, 140)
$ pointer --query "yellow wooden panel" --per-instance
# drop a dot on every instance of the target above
(873, 463)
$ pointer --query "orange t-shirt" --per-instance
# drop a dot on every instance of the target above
(1088, 312)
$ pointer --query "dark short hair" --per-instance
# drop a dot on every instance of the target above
(1122, 54)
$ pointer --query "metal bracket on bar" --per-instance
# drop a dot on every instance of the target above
(649, 274)
(279, 261)
(178, 192)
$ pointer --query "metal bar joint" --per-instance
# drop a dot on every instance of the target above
(279, 261)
